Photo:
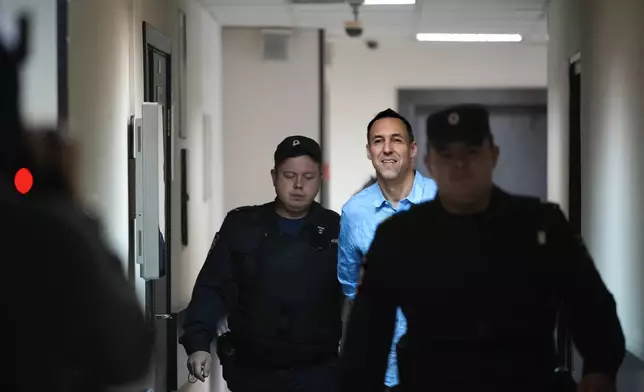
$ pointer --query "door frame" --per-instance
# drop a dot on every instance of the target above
(62, 36)
(157, 41)
(574, 143)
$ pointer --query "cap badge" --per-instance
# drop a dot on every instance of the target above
(453, 118)
(296, 142)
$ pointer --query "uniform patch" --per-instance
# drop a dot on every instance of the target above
(453, 119)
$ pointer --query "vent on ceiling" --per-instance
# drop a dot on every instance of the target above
(276, 44)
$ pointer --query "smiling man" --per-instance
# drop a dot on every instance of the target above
(391, 149)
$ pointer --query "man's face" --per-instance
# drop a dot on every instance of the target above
(389, 149)
(297, 182)
(463, 173)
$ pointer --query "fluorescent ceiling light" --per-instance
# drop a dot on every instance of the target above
(389, 2)
(438, 37)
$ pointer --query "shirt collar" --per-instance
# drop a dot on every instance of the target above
(415, 195)
(310, 220)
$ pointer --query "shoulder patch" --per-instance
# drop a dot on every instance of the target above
(243, 208)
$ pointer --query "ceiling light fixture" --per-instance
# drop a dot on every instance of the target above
(389, 2)
(441, 37)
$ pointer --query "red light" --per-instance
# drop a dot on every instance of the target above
(24, 180)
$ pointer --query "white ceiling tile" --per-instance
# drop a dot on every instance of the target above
(525, 17)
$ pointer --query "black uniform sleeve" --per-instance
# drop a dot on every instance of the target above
(103, 327)
(589, 306)
(373, 315)
(210, 294)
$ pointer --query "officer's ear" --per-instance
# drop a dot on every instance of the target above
(368, 151)
(274, 176)
(413, 148)
(495, 154)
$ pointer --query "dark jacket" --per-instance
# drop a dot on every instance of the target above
(480, 293)
(280, 291)
(69, 310)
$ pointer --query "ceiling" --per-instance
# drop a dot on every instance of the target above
(525, 17)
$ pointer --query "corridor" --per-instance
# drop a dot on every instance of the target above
(175, 108)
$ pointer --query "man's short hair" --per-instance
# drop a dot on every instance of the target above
(390, 113)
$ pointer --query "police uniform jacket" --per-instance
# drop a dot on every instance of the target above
(280, 291)
(480, 293)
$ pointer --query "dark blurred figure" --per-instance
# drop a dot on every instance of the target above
(480, 275)
(70, 320)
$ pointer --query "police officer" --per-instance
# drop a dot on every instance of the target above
(482, 292)
(272, 270)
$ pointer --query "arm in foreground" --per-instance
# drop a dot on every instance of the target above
(101, 311)
(372, 320)
(589, 306)
(210, 294)
(349, 257)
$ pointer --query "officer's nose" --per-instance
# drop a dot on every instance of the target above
(298, 183)
(462, 160)
(387, 148)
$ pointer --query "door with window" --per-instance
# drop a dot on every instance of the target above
(157, 79)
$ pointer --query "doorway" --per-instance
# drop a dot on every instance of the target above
(566, 351)
(158, 88)
(574, 153)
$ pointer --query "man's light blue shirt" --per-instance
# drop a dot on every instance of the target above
(361, 216)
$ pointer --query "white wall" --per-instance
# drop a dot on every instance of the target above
(99, 71)
(264, 102)
(564, 43)
(39, 99)
(609, 35)
(364, 82)
(613, 152)
(204, 97)
(106, 86)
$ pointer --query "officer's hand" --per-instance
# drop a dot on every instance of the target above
(222, 327)
(199, 364)
(595, 382)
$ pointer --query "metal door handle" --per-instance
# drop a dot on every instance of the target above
(163, 316)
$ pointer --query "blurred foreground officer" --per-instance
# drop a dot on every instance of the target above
(480, 275)
(272, 270)
(391, 148)
(70, 320)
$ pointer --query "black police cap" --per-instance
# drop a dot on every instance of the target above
(295, 146)
(468, 124)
